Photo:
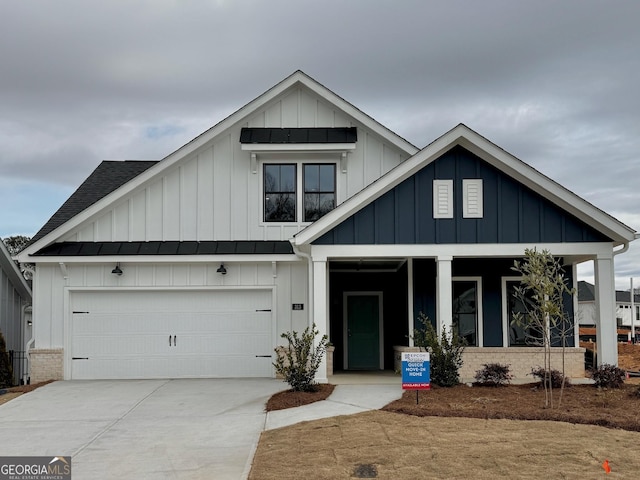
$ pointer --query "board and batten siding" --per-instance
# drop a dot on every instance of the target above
(212, 194)
(11, 305)
(512, 213)
(290, 285)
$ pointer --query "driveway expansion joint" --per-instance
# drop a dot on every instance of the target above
(119, 419)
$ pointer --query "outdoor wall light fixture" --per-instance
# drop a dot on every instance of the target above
(117, 271)
(222, 270)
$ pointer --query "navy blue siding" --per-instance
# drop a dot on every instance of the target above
(491, 271)
(513, 213)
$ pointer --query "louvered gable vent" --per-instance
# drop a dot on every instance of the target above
(443, 199)
(472, 198)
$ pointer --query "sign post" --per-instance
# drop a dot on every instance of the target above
(416, 371)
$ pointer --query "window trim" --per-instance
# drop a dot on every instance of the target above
(299, 163)
(505, 308)
(479, 306)
(295, 192)
(320, 192)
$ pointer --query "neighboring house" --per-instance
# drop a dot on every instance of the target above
(299, 209)
(623, 309)
(15, 303)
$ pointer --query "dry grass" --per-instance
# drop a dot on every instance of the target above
(405, 446)
(466, 432)
(4, 398)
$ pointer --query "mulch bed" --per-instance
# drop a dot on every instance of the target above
(290, 399)
(581, 404)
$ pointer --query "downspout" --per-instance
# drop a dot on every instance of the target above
(307, 256)
(29, 344)
(618, 252)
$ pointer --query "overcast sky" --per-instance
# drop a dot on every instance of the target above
(555, 83)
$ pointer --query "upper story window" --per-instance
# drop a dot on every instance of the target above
(280, 183)
(319, 190)
(293, 194)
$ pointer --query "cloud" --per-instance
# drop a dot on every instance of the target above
(551, 82)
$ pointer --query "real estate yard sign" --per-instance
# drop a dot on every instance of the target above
(416, 371)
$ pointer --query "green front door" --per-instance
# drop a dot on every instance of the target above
(363, 331)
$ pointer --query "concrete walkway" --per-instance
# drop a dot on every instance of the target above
(164, 429)
(354, 393)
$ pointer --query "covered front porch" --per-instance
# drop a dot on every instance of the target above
(369, 305)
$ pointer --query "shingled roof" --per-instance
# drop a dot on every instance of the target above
(107, 177)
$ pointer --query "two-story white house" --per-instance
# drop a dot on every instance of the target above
(298, 209)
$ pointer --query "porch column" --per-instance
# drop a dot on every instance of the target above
(444, 300)
(576, 318)
(411, 321)
(607, 329)
(320, 316)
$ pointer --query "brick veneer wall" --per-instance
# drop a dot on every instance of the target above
(520, 359)
(46, 364)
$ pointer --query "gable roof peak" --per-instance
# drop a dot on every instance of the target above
(58, 226)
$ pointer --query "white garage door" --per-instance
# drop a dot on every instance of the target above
(171, 334)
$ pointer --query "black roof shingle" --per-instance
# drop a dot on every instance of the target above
(107, 177)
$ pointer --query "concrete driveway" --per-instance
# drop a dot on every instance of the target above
(131, 429)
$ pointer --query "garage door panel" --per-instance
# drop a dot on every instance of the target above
(173, 334)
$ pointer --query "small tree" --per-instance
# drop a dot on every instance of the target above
(15, 245)
(300, 360)
(544, 320)
(445, 352)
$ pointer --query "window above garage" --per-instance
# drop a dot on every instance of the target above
(268, 142)
(298, 192)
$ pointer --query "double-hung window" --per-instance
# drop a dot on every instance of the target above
(298, 192)
(280, 182)
(319, 190)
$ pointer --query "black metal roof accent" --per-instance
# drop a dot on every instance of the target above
(299, 135)
(107, 176)
(92, 249)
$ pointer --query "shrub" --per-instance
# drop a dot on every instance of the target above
(608, 376)
(445, 352)
(554, 376)
(6, 371)
(494, 375)
(299, 362)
